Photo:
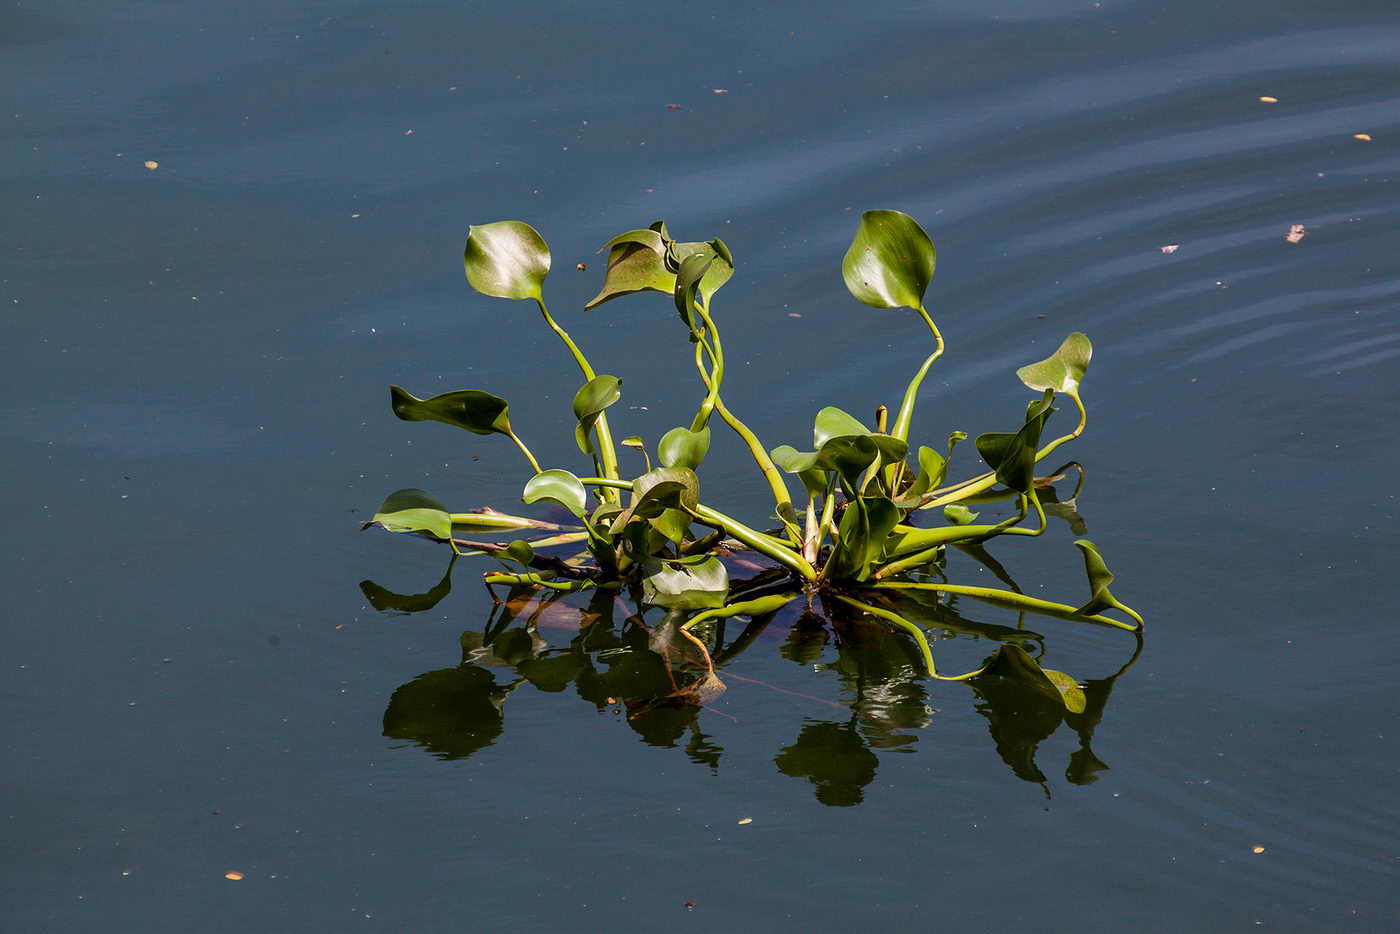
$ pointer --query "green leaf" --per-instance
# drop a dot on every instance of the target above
(932, 468)
(720, 270)
(692, 270)
(633, 441)
(1011, 661)
(868, 521)
(681, 447)
(506, 259)
(478, 412)
(636, 263)
(832, 422)
(413, 510)
(662, 496)
(520, 551)
(694, 583)
(1063, 370)
(958, 514)
(1100, 598)
(1012, 456)
(890, 262)
(849, 456)
(590, 401)
(558, 486)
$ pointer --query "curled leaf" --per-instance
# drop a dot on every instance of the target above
(1062, 371)
(589, 403)
(681, 447)
(478, 412)
(557, 486)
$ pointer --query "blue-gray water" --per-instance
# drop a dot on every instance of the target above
(195, 418)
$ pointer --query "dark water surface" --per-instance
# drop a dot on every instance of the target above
(195, 418)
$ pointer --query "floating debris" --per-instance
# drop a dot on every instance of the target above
(1296, 233)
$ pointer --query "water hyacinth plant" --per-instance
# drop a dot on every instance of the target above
(876, 518)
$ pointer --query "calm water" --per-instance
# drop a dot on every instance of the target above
(195, 417)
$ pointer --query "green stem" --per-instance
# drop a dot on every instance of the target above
(526, 451)
(782, 496)
(958, 492)
(606, 451)
(906, 408)
(1015, 600)
(755, 607)
(537, 581)
(777, 549)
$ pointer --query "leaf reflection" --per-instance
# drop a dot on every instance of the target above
(662, 682)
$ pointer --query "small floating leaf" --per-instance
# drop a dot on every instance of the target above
(413, 510)
(1062, 371)
(557, 486)
(478, 412)
(507, 259)
(890, 261)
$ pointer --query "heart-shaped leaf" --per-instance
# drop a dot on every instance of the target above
(1063, 370)
(1011, 661)
(694, 583)
(507, 259)
(681, 447)
(590, 401)
(849, 456)
(558, 486)
(890, 261)
(413, 510)
(478, 412)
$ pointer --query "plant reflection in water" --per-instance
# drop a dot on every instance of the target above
(640, 663)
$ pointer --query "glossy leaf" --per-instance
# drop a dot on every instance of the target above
(557, 486)
(688, 583)
(413, 510)
(478, 412)
(1012, 661)
(1063, 370)
(849, 456)
(832, 422)
(681, 447)
(589, 402)
(507, 259)
(890, 262)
